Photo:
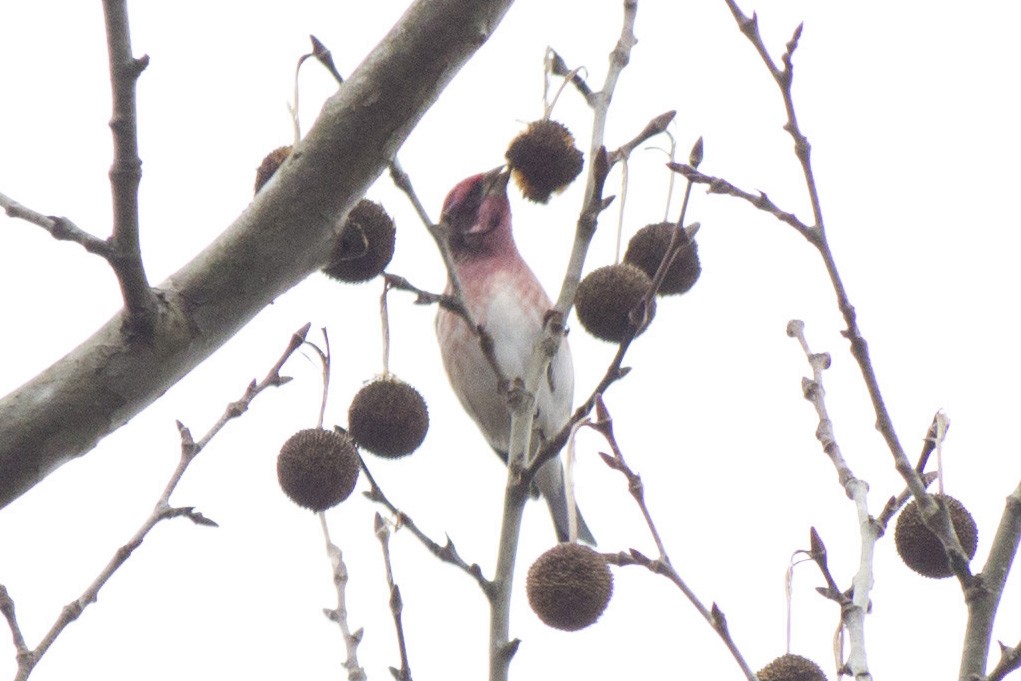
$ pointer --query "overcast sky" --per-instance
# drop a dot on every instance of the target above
(912, 112)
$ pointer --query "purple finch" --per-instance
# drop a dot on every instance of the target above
(502, 294)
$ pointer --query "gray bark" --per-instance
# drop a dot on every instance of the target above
(281, 238)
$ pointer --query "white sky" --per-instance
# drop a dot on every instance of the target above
(913, 121)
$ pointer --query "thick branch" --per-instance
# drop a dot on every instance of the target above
(984, 600)
(282, 237)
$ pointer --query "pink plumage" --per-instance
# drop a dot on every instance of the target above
(503, 295)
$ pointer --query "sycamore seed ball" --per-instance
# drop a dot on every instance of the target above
(318, 468)
(544, 160)
(365, 246)
(791, 667)
(647, 248)
(269, 165)
(921, 550)
(606, 297)
(569, 586)
(389, 418)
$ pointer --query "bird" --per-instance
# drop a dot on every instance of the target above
(503, 295)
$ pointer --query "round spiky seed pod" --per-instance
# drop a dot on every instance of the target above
(365, 246)
(791, 667)
(921, 550)
(569, 586)
(318, 468)
(543, 159)
(607, 296)
(269, 165)
(647, 248)
(388, 417)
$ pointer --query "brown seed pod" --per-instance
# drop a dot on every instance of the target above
(543, 159)
(388, 417)
(921, 550)
(791, 667)
(606, 297)
(366, 245)
(318, 468)
(647, 248)
(269, 165)
(569, 586)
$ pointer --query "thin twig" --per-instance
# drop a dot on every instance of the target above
(933, 515)
(384, 320)
(929, 443)
(60, 228)
(656, 126)
(615, 371)
(454, 304)
(661, 565)
(27, 659)
(402, 181)
(1010, 660)
(817, 236)
(339, 613)
(396, 602)
(717, 185)
(446, 553)
(558, 67)
(854, 609)
(23, 655)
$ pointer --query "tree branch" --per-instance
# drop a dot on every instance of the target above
(126, 171)
(935, 517)
(446, 553)
(854, 608)
(162, 510)
(984, 600)
(281, 238)
(501, 647)
(660, 565)
(60, 228)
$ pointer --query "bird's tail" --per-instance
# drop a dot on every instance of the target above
(550, 481)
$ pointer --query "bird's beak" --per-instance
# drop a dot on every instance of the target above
(495, 181)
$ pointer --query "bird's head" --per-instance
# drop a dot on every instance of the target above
(476, 216)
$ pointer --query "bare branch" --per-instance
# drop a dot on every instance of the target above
(717, 185)
(455, 304)
(855, 608)
(402, 181)
(656, 126)
(24, 656)
(558, 67)
(28, 659)
(983, 598)
(396, 603)
(603, 424)
(60, 228)
(126, 171)
(1010, 660)
(283, 236)
(520, 449)
(446, 553)
(339, 613)
(714, 616)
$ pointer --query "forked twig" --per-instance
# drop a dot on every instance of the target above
(661, 565)
(190, 448)
(446, 553)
